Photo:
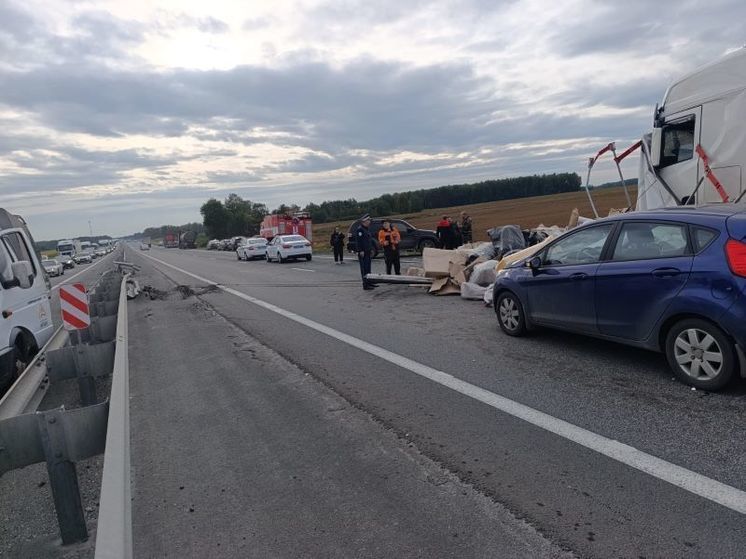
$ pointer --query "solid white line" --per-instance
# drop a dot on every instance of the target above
(303, 269)
(68, 280)
(695, 483)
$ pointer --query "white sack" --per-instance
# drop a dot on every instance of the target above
(473, 291)
(484, 273)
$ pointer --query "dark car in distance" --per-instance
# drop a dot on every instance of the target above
(412, 239)
(670, 280)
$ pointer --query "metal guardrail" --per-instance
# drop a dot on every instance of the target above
(27, 392)
(114, 532)
(63, 437)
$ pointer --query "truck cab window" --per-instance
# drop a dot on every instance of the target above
(16, 247)
(678, 142)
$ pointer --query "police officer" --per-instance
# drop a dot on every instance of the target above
(364, 244)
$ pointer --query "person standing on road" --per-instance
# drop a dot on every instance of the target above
(364, 247)
(444, 232)
(389, 238)
(337, 243)
(455, 234)
(466, 228)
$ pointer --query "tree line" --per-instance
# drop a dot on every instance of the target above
(235, 216)
(415, 201)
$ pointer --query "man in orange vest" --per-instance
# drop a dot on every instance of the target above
(389, 239)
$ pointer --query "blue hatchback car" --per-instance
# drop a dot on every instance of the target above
(670, 280)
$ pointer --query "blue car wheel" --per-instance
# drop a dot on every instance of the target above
(510, 314)
(700, 354)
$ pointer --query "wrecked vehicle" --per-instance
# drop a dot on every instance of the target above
(671, 280)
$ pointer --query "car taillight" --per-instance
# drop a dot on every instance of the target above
(735, 251)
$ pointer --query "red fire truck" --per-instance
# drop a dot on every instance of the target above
(295, 224)
(171, 240)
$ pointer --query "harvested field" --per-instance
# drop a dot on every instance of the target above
(527, 212)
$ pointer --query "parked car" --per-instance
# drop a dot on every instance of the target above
(213, 244)
(285, 247)
(256, 247)
(53, 268)
(411, 237)
(226, 244)
(670, 280)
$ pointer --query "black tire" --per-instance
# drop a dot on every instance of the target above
(426, 243)
(267, 259)
(689, 342)
(280, 259)
(308, 258)
(23, 353)
(510, 314)
(238, 255)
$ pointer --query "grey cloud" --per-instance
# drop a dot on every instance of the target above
(684, 29)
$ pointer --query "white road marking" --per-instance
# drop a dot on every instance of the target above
(698, 484)
(101, 259)
(303, 269)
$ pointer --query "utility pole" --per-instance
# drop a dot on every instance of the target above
(90, 228)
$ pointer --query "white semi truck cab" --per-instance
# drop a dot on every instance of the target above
(25, 313)
(705, 108)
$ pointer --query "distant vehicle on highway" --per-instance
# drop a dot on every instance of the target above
(24, 298)
(171, 240)
(670, 280)
(285, 247)
(68, 262)
(84, 257)
(53, 268)
(411, 237)
(255, 247)
(187, 240)
(68, 247)
(298, 223)
(144, 246)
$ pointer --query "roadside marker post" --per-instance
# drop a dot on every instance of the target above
(76, 316)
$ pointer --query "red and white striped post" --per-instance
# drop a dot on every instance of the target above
(76, 314)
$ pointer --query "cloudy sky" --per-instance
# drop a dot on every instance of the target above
(132, 113)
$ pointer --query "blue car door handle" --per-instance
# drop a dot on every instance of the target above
(666, 272)
(578, 276)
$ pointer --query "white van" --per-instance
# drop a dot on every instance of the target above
(26, 323)
(706, 107)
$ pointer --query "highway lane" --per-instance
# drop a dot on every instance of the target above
(622, 394)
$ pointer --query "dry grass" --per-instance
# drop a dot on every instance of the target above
(527, 212)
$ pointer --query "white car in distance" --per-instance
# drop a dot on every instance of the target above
(255, 247)
(285, 247)
(53, 267)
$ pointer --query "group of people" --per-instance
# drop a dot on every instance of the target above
(452, 234)
(389, 239)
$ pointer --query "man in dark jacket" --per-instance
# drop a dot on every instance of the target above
(364, 245)
(337, 243)
(466, 227)
(444, 232)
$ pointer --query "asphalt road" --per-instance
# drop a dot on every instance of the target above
(576, 498)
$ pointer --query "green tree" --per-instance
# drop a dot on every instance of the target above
(215, 218)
